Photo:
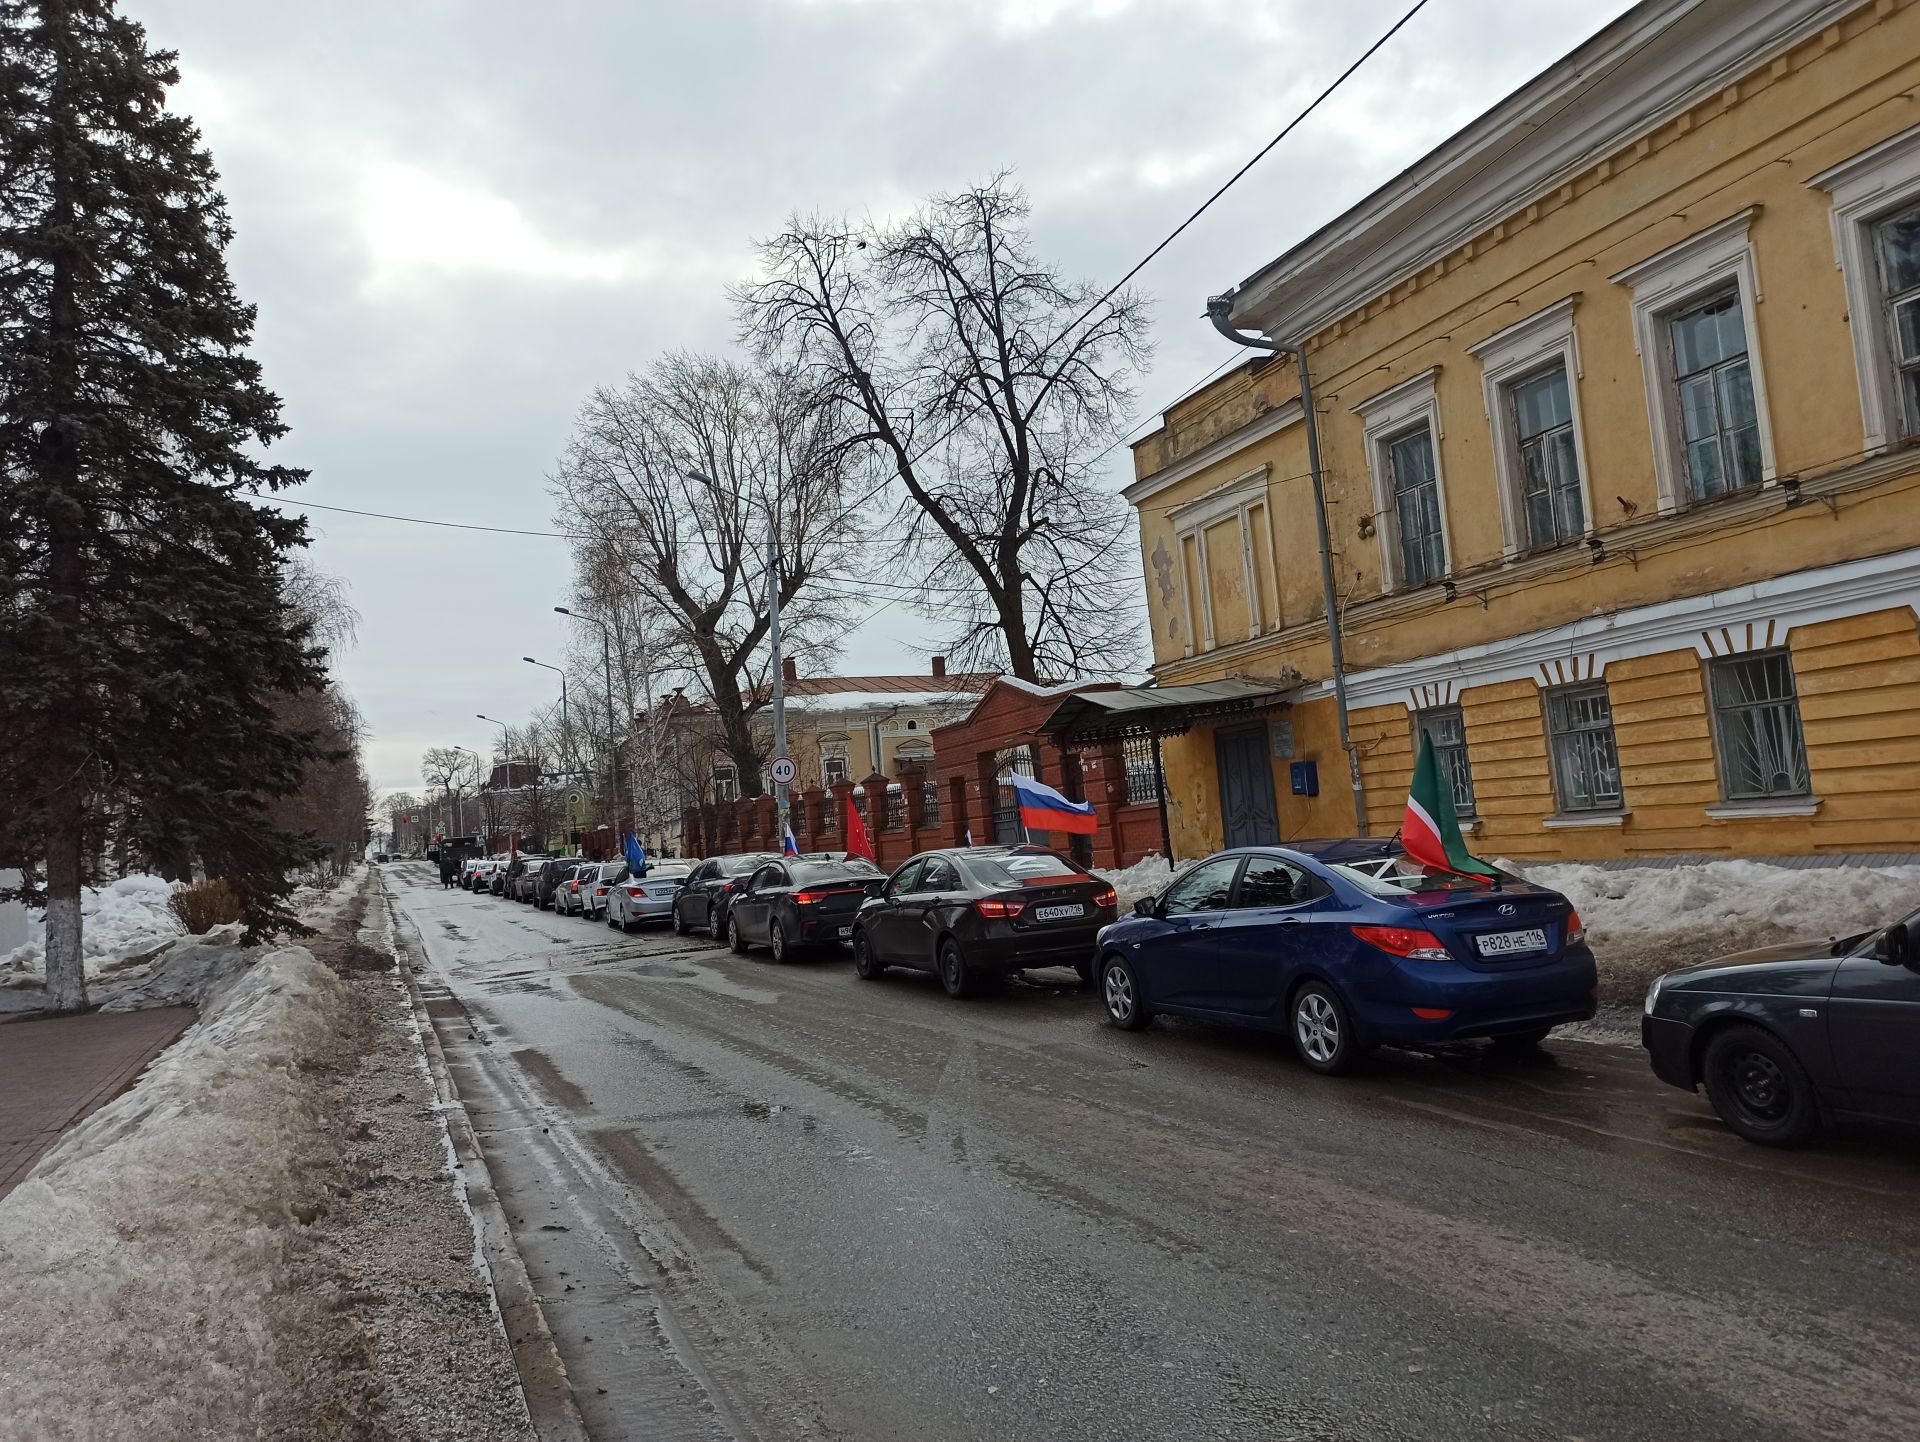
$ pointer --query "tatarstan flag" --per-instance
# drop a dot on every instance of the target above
(1431, 832)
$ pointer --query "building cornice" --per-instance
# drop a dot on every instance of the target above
(1254, 431)
(1657, 61)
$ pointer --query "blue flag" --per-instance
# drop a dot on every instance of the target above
(636, 855)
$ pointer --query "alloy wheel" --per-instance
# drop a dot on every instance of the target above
(1119, 993)
(1317, 1026)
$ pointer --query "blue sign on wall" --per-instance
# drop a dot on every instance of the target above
(1306, 778)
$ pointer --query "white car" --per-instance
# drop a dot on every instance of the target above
(596, 884)
(567, 895)
(634, 899)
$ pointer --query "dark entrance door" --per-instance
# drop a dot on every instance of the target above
(1247, 812)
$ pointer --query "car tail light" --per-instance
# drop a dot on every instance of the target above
(1109, 897)
(995, 909)
(808, 898)
(731, 886)
(1408, 941)
(636, 891)
(1432, 1013)
(1576, 930)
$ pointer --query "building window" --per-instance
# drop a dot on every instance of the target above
(1448, 728)
(1143, 777)
(1756, 723)
(726, 783)
(1693, 320)
(1718, 426)
(1549, 467)
(1897, 242)
(833, 765)
(1586, 767)
(1403, 434)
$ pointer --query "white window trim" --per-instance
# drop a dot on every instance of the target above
(1387, 417)
(1864, 189)
(1238, 498)
(1521, 352)
(1669, 282)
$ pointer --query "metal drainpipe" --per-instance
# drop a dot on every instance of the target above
(1220, 312)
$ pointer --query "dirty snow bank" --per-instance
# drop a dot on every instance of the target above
(1143, 878)
(1643, 920)
(123, 919)
(147, 1257)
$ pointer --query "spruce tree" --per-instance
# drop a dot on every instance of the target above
(143, 630)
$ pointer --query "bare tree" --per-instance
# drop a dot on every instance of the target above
(451, 772)
(990, 387)
(689, 468)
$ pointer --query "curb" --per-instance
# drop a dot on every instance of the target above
(536, 1356)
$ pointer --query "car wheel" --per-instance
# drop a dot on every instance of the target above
(778, 944)
(680, 927)
(1322, 1033)
(1759, 1088)
(611, 923)
(627, 923)
(1518, 1043)
(735, 940)
(1120, 990)
(866, 965)
(955, 975)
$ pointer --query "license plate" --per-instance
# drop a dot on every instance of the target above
(1506, 943)
(1058, 913)
(844, 932)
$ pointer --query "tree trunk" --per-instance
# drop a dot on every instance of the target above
(66, 846)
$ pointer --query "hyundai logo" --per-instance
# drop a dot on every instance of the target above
(1507, 908)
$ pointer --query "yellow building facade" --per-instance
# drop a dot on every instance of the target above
(1618, 396)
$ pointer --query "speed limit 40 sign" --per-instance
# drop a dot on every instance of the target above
(784, 770)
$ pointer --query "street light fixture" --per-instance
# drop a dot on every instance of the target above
(566, 727)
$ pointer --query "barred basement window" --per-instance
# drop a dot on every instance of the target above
(1756, 723)
(1586, 766)
(1448, 728)
(1143, 777)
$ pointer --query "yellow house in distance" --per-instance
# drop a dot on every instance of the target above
(1618, 398)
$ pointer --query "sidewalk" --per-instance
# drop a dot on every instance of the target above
(56, 1070)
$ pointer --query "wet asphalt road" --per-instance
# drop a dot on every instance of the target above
(778, 1202)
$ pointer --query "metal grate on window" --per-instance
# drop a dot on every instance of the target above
(929, 803)
(1143, 777)
(1756, 721)
(797, 814)
(1448, 728)
(896, 808)
(1586, 765)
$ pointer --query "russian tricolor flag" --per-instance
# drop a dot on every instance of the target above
(1044, 809)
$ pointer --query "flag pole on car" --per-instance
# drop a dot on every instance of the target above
(1431, 831)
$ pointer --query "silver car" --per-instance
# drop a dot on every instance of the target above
(596, 885)
(635, 899)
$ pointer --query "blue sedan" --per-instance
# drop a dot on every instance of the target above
(1346, 945)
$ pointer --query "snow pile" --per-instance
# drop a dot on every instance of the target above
(1143, 878)
(148, 1258)
(185, 973)
(1643, 920)
(131, 916)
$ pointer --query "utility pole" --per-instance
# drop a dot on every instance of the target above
(779, 672)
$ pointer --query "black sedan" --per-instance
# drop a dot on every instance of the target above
(1790, 1037)
(973, 914)
(797, 902)
(710, 889)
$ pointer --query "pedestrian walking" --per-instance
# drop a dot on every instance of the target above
(447, 869)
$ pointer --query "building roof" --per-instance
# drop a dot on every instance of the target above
(1161, 710)
(1659, 59)
(962, 684)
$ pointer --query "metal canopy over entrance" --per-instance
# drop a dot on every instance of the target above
(1094, 716)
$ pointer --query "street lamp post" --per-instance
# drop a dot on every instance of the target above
(566, 727)
(613, 739)
(460, 802)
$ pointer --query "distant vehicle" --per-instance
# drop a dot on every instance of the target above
(468, 870)
(973, 914)
(497, 877)
(795, 903)
(566, 896)
(382, 857)
(1789, 1038)
(1321, 941)
(702, 902)
(547, 878)
(522, 873)
(596, 886)
(635, 899)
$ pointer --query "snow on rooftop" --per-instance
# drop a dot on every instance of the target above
(878, 700)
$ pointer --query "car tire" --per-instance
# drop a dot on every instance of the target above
(778, 944)
(956, 976)
(1321, 1029)
(866, 965)
(1759, 1088)
(1120, 994)
(612, 925)
(680, 927)
(627, 924)
(735, 941)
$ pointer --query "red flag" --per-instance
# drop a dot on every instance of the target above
(857, 843)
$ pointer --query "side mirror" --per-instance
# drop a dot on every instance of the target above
(1144, 907)
(1896, 947)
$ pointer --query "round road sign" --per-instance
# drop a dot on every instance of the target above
(784, 770)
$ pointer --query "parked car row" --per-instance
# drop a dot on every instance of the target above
(1342, 946)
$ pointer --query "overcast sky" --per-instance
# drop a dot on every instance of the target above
(458, 216)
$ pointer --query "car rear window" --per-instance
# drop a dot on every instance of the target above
(1023, 868)
(827, 873)
(737, 865)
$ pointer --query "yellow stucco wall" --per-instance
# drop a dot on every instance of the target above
(1751, 147)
